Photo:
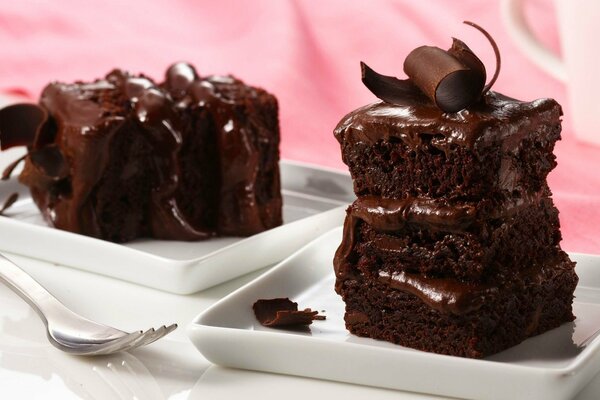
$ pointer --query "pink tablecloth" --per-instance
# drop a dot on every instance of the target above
(306, 52)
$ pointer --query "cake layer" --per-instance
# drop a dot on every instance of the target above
(123, 157)
(399, 237)
(494, 149)
(451, 317)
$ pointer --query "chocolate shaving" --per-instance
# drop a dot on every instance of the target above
(6, 174)
(10, 200)
(449, 83)
(20, 123)
(451, 79)
(390, 89)
(283, 312)
(465, 55)
(496, 54)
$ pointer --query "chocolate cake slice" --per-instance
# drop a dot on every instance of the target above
(124, 157)
(453, 244)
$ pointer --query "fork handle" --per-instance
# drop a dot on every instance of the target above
(44, 304)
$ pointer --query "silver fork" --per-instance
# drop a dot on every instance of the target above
(67, 330)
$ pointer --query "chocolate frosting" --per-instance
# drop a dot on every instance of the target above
(393, 214)
(447, 295)
(433, 214)
(493, 121)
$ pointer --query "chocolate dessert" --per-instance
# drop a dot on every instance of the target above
(124, 157)
(452, 245)
(282, 312)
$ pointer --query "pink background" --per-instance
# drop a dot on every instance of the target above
(305, 52)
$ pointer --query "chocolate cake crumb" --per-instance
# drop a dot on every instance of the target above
(280, 312)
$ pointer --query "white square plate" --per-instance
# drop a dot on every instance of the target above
(554, 365)
(314, 199)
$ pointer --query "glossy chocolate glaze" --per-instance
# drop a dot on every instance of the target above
(393, 214)
(493, 121)
(447, 295)
(343, 255)
(433, 214)
(230, 104)
(71, 150)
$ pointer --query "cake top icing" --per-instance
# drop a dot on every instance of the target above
(491, 120)
(187, 88)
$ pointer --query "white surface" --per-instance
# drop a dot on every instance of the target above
(30, 368)
(554, 365)
(314, 201)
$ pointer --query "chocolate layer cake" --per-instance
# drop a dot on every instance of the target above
(123, 157)
(452, 245)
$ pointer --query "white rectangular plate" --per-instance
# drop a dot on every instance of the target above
(314, 199)
(554, 365)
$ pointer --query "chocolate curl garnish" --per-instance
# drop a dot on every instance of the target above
(496, 54)
(449, 83)
(20, 123)
(283, 312)
(390, 89)
(452, 79)
(11, 167)
(9, 202)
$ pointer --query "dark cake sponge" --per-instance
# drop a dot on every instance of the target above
(491, 319)
(495, 148)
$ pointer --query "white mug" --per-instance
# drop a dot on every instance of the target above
(579, 67)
